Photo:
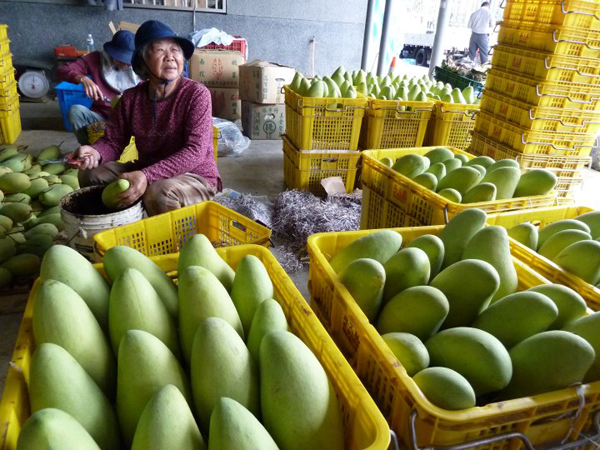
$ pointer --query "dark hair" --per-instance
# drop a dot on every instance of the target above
(485, 4)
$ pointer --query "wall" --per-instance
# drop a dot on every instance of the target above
(276, 30)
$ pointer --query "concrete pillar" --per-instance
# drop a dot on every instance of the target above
(437, 53)
(383, 45)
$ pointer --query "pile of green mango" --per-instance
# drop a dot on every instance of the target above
(453, 312)
(572, 244)
(346, 84)
(481, 179)
(141, 362)
(30, 191)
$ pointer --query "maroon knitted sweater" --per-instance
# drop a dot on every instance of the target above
(175, 138)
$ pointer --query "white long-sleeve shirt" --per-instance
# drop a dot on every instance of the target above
(481, 21)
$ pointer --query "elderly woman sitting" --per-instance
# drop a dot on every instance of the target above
(171, 120)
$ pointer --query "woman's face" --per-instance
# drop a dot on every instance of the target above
(165, 59)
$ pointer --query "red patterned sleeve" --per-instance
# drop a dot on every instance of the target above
(197, 150)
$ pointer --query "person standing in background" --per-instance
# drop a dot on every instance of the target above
(481, 24)
(111, 74)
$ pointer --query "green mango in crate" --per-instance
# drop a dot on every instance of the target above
(380, 246)
(469, 286)
(58, 381)
(119, 258)
(565, 224)
(167, 422)
(475, 354)
(409, 350)
(52, 428)
(233, 426)
(61, 317)
(491, 245)
(445, 388)
(570, 304)
(222, 367)
(518, 316)
(419, 310)
(547, 362)
(269, 317)
(62, 263)
(525, 233)
(201, 296)
(135, 305)
(145, 365)
(290, 374)
(365, 279)
(535, 182)
(198, 251)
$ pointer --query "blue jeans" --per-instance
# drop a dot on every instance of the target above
(80, 117)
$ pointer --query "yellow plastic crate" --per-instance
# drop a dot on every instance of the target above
(10, 122)
(540, 118)
(563, 166)
(546, 268)
(323, 123)
(547, 66)
(542, 418)
(3, 31)
(552, 94)
(395, 124)
(365, 427)
(550, 38)
(420, 204)
(533, 141)
(8, 94)
(452, 124)
(569, 13)
(166, 233)
(4, 46)
(6, 62)
(7, 76)
(304, 169)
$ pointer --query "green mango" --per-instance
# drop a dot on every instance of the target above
(269, 317)
(222, 366)
(592, 220)
(535, 182)
(483, 192)
(380, 245)
(571, 306)
(365, 279)
(525, 233)
(12, 183)
(451, 194)
(561, 240)
(581, 259)
(51, 428)
(547, 362)
(587, 327)
(54, 194)
(475, 354)
(48, 154)
(407, 268)
(459, 231)
(491, 245)
(58, 381)
(505, 179)
(461, 179)
(409, 350)
(411, 165)
(110, 194)
(445, 388)
(61, 317)
(199, 251)
(296, 81)
(439, 154)
(560, 225)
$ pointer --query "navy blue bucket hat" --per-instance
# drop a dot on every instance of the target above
(153, 30)
(121, 46)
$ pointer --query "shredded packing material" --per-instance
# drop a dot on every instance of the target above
(295, 216)
(299, 214)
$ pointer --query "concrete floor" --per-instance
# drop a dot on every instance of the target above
(258, 171)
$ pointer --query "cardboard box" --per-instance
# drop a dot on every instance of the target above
(216, 68)
(226, 103)
(263, 81)
(263, 121)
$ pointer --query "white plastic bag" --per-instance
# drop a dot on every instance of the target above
(231, 140)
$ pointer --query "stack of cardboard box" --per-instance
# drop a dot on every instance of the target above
(218, 70)
(263, 102)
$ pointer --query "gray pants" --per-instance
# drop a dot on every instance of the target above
(162, 195)
(481, 42)
(79, 118)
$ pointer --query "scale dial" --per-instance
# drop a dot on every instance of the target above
(34, 84)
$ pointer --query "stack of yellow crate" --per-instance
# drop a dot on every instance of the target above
(10, 117)
(541, 105)
(321, 140)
